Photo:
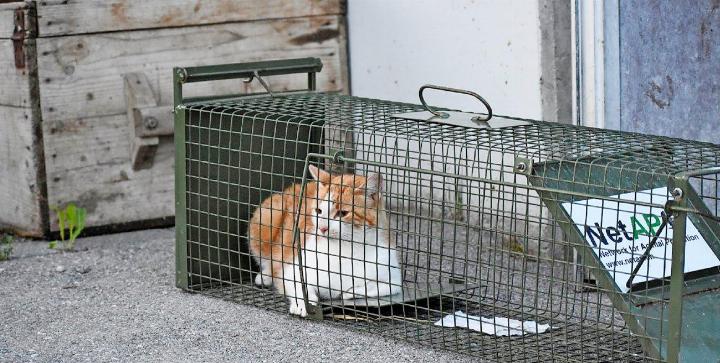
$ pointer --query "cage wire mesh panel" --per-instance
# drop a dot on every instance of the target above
(515, 241)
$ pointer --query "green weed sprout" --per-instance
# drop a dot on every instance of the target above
(6, 246)
(72, 219)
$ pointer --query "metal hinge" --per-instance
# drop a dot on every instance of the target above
(18, 38)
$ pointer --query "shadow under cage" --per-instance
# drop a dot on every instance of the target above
(498, 237)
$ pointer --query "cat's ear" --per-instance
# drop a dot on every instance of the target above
(373, 185)
(318, 174)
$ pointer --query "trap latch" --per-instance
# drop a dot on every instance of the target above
(458, 118)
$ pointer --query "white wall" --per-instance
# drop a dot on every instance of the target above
(489, 46)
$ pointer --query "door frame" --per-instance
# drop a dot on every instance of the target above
(596, 63)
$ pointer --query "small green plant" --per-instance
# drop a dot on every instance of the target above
(72, 219)
(6, 246)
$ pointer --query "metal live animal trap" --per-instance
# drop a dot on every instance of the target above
(513, 239)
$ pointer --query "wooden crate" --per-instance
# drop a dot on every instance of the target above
(65, 134)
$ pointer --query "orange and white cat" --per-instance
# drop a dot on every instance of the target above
(347, 251)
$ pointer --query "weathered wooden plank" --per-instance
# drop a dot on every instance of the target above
(80, 76)
(14, 90)
(65, 17)
(7, 18)
(88, 163)
(19, 186)
(88, 154)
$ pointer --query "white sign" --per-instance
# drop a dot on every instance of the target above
(620, 232)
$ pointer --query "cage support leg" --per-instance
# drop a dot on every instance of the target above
(677, 280)
(181, 260)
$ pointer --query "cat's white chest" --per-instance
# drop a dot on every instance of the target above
(334, 266)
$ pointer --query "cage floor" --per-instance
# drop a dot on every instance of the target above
(566, 341)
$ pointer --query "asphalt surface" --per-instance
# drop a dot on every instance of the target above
(115, 300)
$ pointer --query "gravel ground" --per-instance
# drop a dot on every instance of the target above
(115, 300)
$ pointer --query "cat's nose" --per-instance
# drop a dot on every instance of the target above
(323, 230)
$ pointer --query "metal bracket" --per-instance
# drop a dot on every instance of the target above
(147, 120)
(18, 38)
(523, 165)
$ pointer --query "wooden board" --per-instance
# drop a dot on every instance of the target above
(14, 86)
(65, 17)
(7, 18)
(88, 163)
(82, 75)
(84, 113)
(21, 187)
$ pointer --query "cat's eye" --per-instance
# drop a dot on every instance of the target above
(318, 211)
(344, 213)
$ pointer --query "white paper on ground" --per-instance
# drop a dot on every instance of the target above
(494, 326)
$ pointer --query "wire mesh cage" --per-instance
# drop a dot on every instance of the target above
(498, 237)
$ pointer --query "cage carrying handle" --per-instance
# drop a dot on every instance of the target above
(454, 90)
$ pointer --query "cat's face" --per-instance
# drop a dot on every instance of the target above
(345, 203)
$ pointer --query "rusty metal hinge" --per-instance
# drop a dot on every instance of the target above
(18, 38)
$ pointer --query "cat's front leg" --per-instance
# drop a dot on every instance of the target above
(292, 287)
(264, 277)
(294, 290)
(297, 304)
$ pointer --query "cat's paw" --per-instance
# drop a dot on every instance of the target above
(263, 280)
(298, 308)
